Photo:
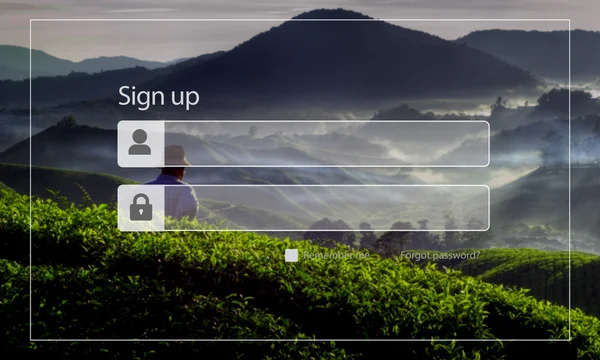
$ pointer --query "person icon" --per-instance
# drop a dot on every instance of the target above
(139, 137)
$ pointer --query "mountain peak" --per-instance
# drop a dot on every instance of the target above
(358, 60)
(331, 14)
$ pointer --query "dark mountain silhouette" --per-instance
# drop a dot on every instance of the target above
(48, 91)
(10, 73)
(542, 197)
(544, 53)
(16, 59)
(81, 86)
(300, 60)
(104, 63)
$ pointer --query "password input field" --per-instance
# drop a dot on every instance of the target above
(301, 208)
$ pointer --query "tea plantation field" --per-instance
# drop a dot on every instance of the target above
(89, 280)
(76, 186)
(544, 273)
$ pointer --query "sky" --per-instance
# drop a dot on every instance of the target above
(163, 41)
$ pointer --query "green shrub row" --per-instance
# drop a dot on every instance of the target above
(79, 304)
(545, 273)
(356, 298)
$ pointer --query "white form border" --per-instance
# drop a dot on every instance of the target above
(282, 20)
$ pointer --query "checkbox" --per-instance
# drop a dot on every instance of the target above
(291, 255)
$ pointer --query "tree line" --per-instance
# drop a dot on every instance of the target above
(403, 235)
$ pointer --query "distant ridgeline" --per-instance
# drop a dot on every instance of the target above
(355, 61)
(545, 53)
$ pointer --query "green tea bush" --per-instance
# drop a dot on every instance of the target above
(91, 280)
(544, 273)
(76, 186)
(145, 308)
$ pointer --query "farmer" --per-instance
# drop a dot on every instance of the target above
(180, 198)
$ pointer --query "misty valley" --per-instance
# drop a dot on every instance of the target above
(517, 121)
(527, 173)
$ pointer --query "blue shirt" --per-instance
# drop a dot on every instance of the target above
(180, 201)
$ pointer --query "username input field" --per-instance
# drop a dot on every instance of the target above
(306, 143)
(302, 208)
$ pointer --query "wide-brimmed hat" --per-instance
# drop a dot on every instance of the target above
(175, 155)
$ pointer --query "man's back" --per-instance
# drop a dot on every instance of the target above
(180, 198)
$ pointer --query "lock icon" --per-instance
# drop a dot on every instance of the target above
(140, 212)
